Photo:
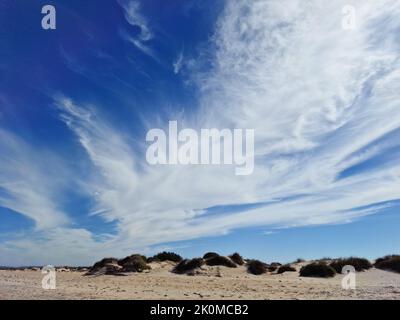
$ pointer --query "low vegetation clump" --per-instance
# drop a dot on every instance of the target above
(389, 263)
(165, 256)
(131, 257)
(299, 260)
(188, 265)
(318, 270)
(360, 264)
(385, 258)
(134, 263)
(237, 258)
(103, 262)
(326, 260)
(112, 269)
(105, 266)
(209, 255)
(220, 261)
(286, 268)
(276, 264)
(272, 268)
(256, 267)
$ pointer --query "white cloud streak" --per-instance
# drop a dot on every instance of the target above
(133, 15)
(178, 63)
(27, 184)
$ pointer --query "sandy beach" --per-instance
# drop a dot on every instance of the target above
(215, 282)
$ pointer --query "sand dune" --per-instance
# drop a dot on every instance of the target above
(210, 283)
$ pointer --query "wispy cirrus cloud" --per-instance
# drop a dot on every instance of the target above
(178, 63)
(320, 98)
(312, 113)
(135, 18)
(27, 184)
(133, 15)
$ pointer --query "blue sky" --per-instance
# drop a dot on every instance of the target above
(76, 103)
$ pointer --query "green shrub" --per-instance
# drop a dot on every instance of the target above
(209, 255)
(276, 264)
(103, 262)
(188, 265)
(286, 268)
(299, 260)
(389, 263)
(385, 258)
(165, 256)
(237, 258)
(318, 270)
(105, 266)
(152, 259)
(134, 263)
(256, 267)
(121, 262)
(220, 261)
(272, 268)
(360, 264)
(112, 269)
